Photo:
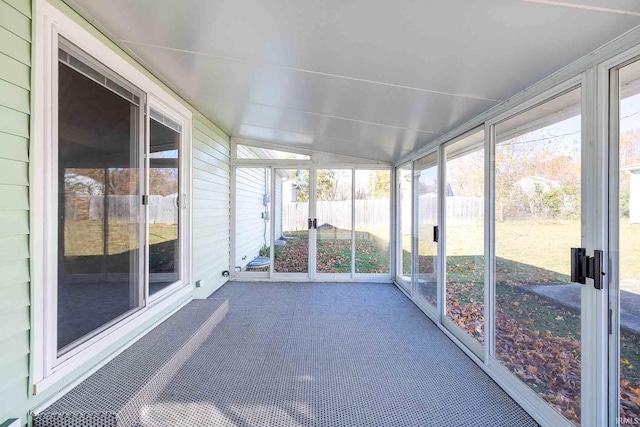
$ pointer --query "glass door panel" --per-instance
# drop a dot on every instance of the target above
(164, 202)
(333, 220)
(291, 221)
(426, 192)
(100, 213)
(464, 237)
(403, 214)
(373, 221)
(538, 220)
(626, 292)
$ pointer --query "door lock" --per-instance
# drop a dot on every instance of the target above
(583, 266)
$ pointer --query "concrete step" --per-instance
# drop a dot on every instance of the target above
(116, 394)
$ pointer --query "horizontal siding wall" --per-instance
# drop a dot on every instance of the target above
(211, 207)
(252, 231)
(15, 80)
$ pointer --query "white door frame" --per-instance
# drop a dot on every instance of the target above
(434, 312)
(608, 121)
(312, 274)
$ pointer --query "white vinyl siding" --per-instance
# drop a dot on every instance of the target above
(15, 86)
(211, 206)
(252, 231)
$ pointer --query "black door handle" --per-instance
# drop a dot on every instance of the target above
(578, 265)
(583, 266)
(598, 267)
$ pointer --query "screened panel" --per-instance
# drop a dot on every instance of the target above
(372, 221)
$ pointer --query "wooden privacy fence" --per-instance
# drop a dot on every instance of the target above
(459, 209)
(375, 213)
(369, 213)
(124, 209)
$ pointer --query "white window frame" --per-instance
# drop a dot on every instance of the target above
(397, 258)
(184, 225)
(47, 368)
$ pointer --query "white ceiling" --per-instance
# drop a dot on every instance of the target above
(369, 78)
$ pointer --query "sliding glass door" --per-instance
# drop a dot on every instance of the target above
(538, 219)
(541, 239)
(464, 238)
(120, 200)
(523, 275)
(624, 225)
(425, 180)
(100, 212)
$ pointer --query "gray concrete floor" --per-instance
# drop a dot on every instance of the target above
(329, 354)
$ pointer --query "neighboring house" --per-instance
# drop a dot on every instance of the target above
(531, 184)
(634, 194)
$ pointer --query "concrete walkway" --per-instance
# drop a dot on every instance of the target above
(568, 295)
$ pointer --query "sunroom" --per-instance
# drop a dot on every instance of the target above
(319, 214)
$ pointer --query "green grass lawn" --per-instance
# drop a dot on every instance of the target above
(85, 237)
(541, 244)
(83, 251)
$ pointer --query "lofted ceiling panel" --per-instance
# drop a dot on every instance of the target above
(337, 133)
(374, 79)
